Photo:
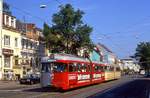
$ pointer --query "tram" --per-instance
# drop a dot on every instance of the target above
(66, 71)
(112, 72)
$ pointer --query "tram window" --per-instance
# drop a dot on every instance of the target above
(72, 67)
(111, 68)
(60, 67)
(97, 68)
(106, 68)
(82, 67)
(101, 68)
(79, 67)
(88, 68)
(117, 69)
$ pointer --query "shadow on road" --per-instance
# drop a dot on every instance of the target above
(53, 89)
(139, 88)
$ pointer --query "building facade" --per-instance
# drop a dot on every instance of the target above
(130, 64)
(20, 47)
(11, 48)
(29, 52)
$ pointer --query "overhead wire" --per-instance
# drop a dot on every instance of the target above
(28, 13)
(39, 18)
(135, 36)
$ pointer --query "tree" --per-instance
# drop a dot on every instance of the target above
(143, 55)
(68, 33)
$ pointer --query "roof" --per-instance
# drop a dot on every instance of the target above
(103, 46)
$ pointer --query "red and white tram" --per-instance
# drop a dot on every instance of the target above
(67, 71)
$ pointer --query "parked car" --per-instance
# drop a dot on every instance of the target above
(30, 79)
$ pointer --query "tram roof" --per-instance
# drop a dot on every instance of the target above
(69, 57)
(54, 57)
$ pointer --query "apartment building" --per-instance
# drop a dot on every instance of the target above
(30, 48)
(11, 47)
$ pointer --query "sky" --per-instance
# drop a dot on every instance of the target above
(118, 24)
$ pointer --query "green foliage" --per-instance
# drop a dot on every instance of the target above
(143, 54)
(68, 33)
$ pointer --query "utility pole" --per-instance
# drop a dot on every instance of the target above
(1, 25)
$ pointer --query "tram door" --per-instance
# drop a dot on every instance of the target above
(72, 74)
(46, 74)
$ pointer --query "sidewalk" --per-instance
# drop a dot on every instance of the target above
(13, 85)
(8, 84)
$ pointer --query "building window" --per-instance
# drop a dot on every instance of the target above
(16, 42)
(31, 45)
(27, 44)
(7, 20)
(16, 60)
(7, 61)
(12, 22)
(6, 40)
(23, 43)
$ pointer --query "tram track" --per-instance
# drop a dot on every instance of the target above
(81, 92)
(88, 91)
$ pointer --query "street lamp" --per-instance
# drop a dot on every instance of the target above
(43, 6)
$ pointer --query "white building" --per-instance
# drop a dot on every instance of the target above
(130, 64)
(11, 46)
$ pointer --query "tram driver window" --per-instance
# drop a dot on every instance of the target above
(60, 67)
(46, 67)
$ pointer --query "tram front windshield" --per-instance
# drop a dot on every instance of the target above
(46, 67)
(59, 67)
(54, 67)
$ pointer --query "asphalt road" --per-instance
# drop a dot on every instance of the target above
(13, 90)
(139, 88)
